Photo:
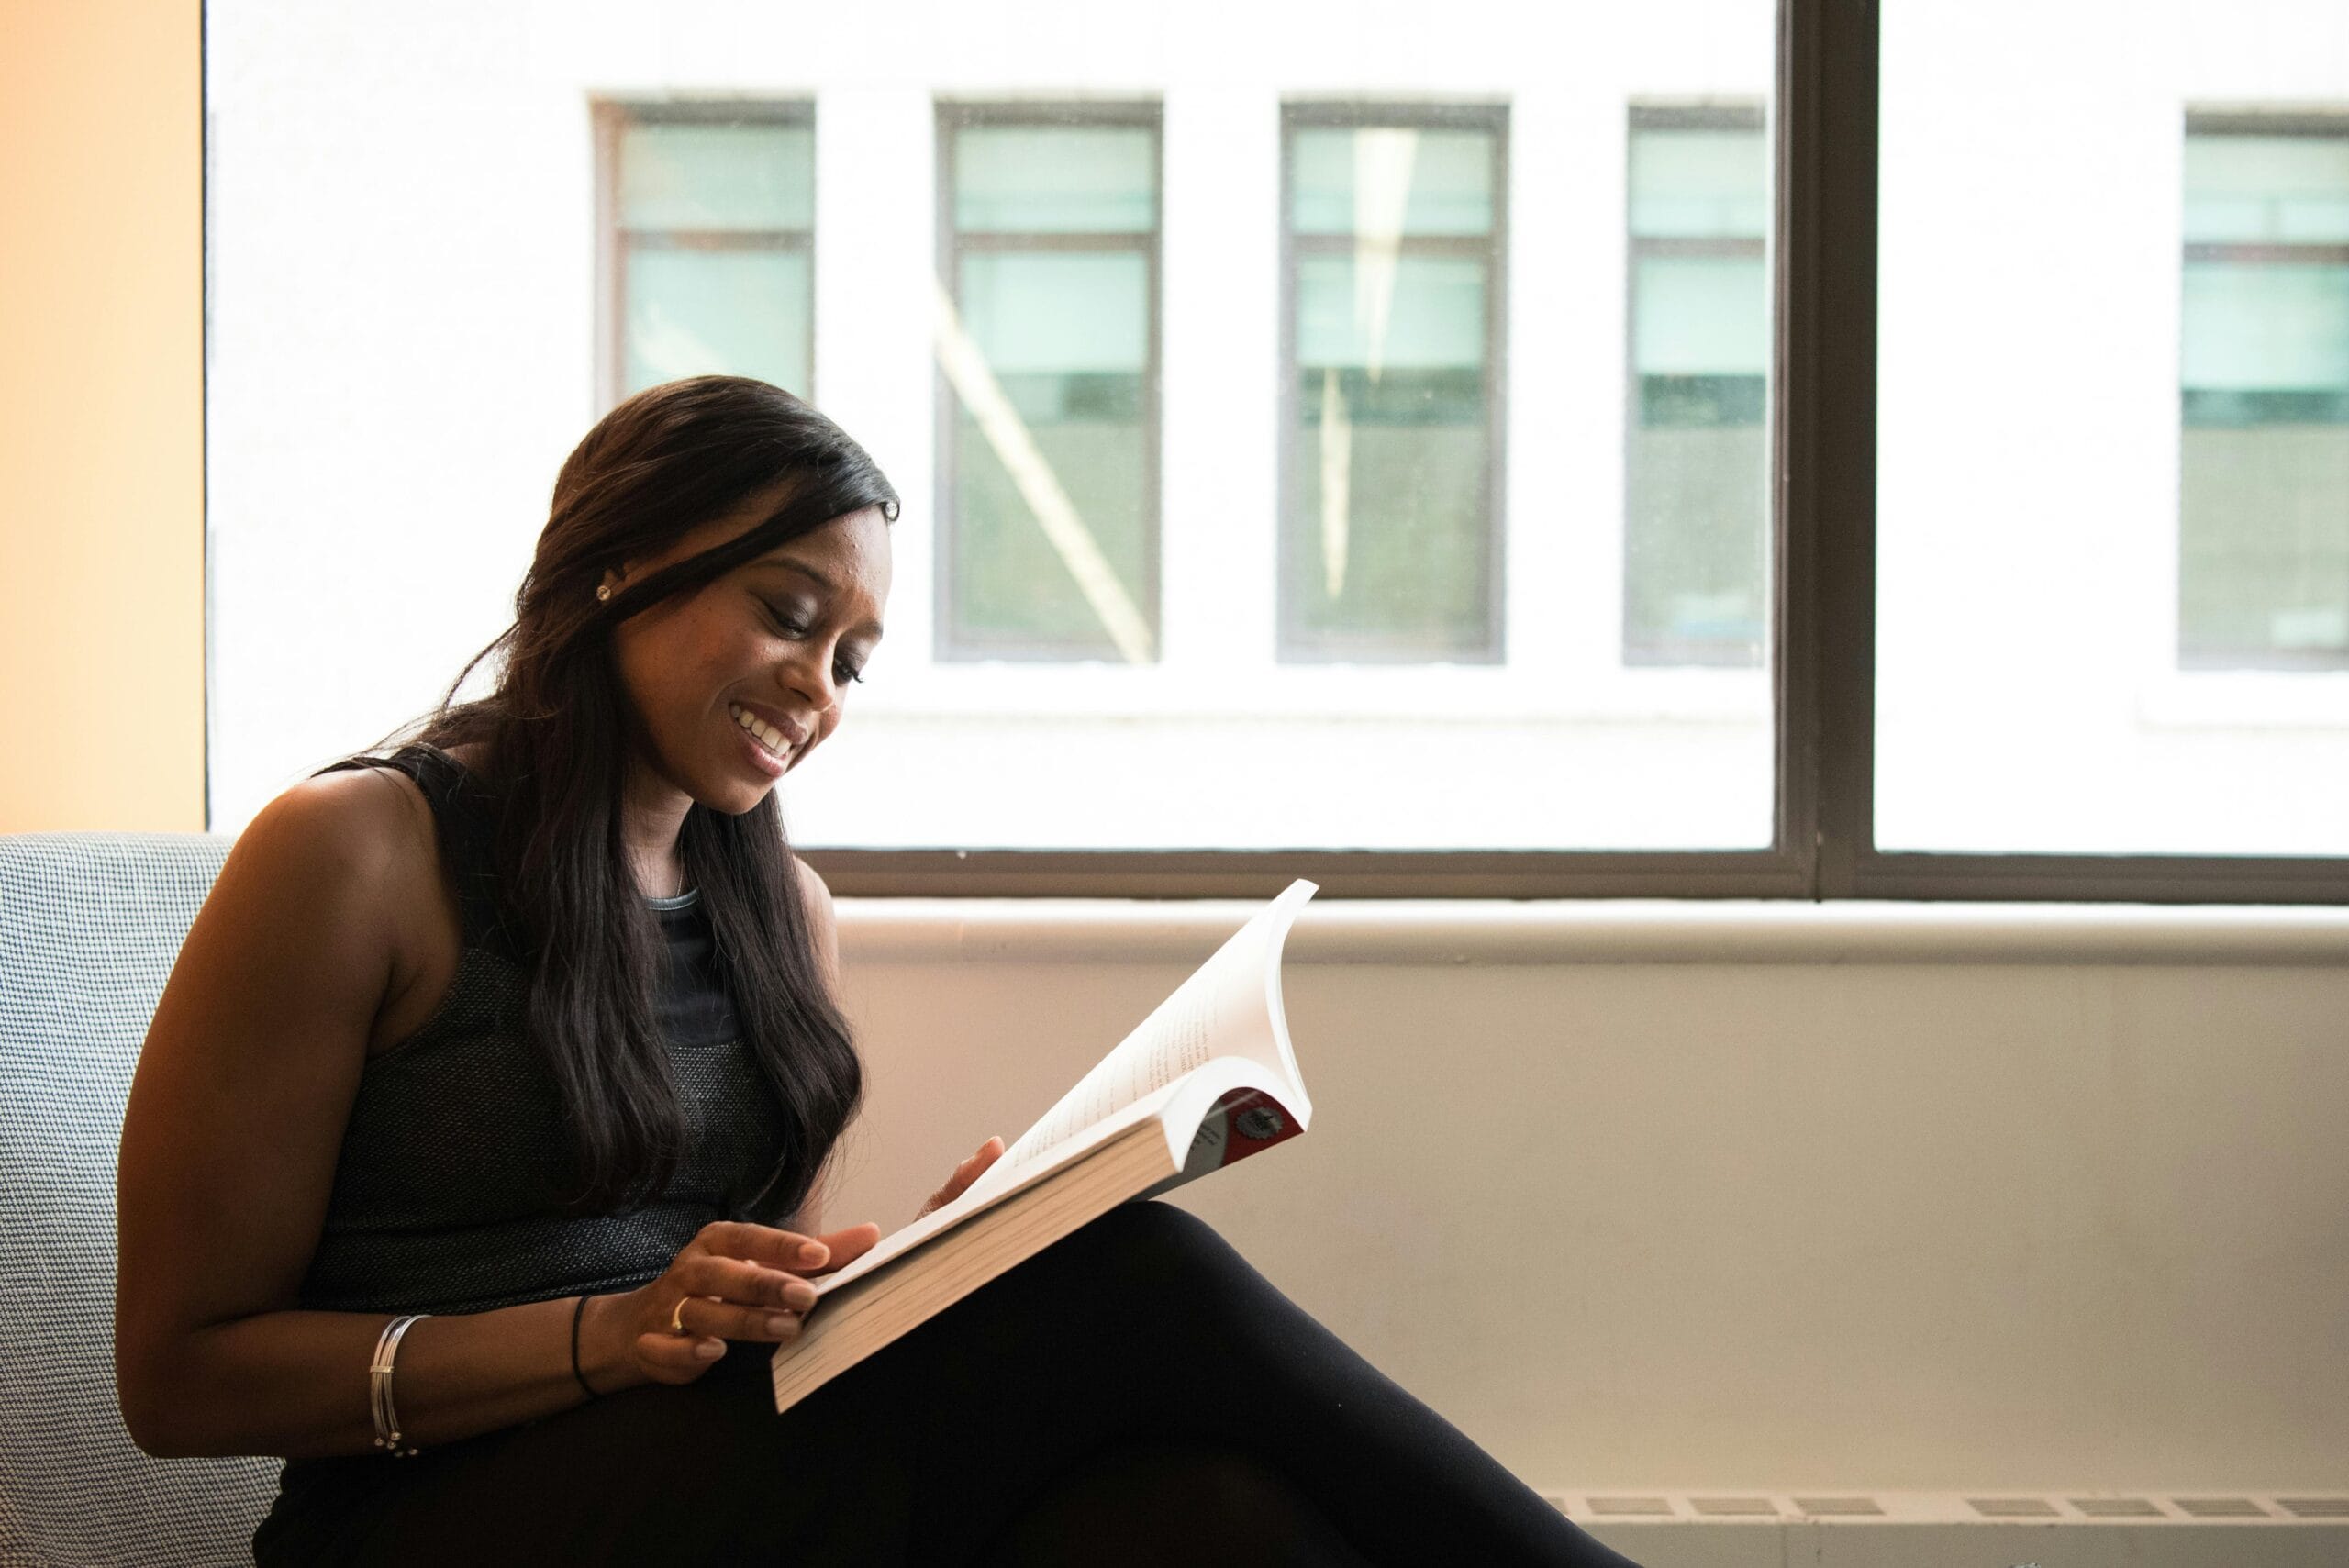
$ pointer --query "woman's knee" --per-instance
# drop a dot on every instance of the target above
(1158, 1238)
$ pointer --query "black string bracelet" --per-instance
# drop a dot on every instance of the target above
(577, 1313)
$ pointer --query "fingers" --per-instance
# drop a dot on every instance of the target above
(705, 1319)
(737, 1280)
(969, 1171)
(763, 1244)
(847, 1246)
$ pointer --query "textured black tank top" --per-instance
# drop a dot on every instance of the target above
(449, 1192)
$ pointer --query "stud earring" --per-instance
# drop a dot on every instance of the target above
(603, 594)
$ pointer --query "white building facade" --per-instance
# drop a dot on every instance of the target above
(1465, 304)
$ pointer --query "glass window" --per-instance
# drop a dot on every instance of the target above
(1696, 525)
(1048, 489)
(1247, 506)
(713, 209)
(2264, 399)
(1391, 526)
(2113, 465)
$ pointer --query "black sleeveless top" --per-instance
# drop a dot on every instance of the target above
(448, 1193)
(448, 1190)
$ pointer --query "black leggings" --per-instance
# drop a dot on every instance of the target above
(1128, 1394)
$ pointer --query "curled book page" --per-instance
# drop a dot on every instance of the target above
(1229, 1005)
(1224, 1023)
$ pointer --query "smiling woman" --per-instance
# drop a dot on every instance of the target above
(497, 1074)
(736, 684)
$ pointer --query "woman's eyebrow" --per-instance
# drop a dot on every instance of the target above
(787, 564)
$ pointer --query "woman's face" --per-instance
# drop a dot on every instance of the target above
(736, 681)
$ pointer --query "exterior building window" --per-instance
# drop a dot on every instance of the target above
(1048, 478)
(710, 210)
(2264, 394)
(1696, 526)
(1394, 235)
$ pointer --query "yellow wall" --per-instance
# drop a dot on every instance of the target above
(101, 415)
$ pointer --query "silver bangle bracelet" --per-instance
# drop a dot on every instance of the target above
(379, 1386)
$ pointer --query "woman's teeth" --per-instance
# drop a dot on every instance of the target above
(765, 734)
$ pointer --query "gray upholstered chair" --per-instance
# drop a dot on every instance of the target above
(89, 926)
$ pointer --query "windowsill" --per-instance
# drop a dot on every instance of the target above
(1493, 931)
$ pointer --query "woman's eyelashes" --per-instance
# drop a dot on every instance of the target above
(795, 622)
(799, 623)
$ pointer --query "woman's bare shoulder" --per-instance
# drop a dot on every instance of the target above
(353, 817)
(354, 838)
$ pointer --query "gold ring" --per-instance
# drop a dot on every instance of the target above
(677, 1318)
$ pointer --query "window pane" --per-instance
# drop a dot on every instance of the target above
(1391, 457)
(1067, 340)
(1054, 180)
(717, 176)
(1049, 504)
(1389, 548)
(2112, 457)
(696, 311)
(2253, 189)
(1696, 528)
(1059, 311)
(713, 258)
(1692, 181)
(1393, 180)
(2264, 372)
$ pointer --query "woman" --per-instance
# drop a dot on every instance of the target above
(473, 1157)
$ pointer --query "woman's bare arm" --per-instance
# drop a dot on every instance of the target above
(228, 1148)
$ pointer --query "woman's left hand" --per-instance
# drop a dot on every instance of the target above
(966, 1172)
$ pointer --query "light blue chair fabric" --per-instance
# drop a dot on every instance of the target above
(90, 924)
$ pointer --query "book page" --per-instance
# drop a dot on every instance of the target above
(1230, 1006)
(1170, 1042)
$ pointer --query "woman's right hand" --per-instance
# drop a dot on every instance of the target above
(735, 1281)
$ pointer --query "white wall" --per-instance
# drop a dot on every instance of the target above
(2005, 1209)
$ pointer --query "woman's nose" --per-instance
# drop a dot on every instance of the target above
(809, 673)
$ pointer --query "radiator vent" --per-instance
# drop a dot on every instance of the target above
(2013, 1508)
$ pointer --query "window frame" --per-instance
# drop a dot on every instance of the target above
(1289, 645)
(1823, 118)
(608, 117)
(956, 115)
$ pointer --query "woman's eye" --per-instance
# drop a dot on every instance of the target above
(787, 625)
(843, 673)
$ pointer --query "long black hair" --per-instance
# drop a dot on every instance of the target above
(553, 740)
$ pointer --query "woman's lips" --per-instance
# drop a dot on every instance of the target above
(769, 747)
(757, 756)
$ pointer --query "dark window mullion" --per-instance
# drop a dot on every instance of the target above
(1823, 438)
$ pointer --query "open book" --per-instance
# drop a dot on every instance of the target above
(1206, 1080)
